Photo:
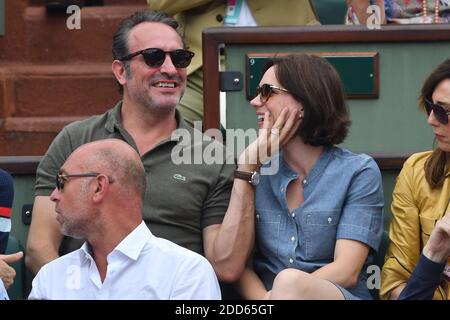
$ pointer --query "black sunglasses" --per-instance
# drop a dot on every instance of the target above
(439, 111)
(155, 57)
(62, 178)
(266, 90)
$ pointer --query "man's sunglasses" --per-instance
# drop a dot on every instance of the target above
(62, 178)
(266, 90)
(440, 113)
(155, 57)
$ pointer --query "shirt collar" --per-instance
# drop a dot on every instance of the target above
(131, 245)
(317, 169)
(114, 121)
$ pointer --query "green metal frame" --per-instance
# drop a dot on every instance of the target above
(358, 71)
(2, 17)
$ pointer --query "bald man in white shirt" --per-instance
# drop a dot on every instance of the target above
(98, 198)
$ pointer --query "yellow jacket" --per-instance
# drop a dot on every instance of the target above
(196, 15)
(415, 210)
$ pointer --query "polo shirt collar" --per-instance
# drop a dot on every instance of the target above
(114, 120)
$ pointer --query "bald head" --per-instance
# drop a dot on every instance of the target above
(116, 159)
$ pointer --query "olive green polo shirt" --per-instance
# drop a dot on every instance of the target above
(180, 199)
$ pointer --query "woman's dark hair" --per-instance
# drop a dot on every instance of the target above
(120, 38)
(437, 162)
(314, 83)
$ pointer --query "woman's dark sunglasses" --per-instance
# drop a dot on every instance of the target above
(155, 57)
(62, 178)
(440, 113)
(266, 90)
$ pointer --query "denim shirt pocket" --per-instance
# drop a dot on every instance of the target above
(320, 234)
(267, 230)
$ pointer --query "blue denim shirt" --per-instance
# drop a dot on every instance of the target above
(343, 199)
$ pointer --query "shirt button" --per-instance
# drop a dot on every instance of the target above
(257, 216)
(219, 18)
(293, 215)
(304, 182)
(292, 239)
(282, 189)
(291, 261)
(329, 219)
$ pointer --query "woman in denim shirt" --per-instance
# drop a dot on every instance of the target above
(319, 217)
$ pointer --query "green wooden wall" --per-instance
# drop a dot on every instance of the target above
(390, 123)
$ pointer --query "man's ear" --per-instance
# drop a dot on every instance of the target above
(119, 71)
(101, 188)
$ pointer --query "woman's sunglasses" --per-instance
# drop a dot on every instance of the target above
(155, 57)
(440, 113)
(266, 90)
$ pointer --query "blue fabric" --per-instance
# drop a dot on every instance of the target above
(6, 200)
(424, 280)
(6, 189)
(343, 200)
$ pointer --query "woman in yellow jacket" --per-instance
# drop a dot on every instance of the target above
(196, 15)
(421, 195)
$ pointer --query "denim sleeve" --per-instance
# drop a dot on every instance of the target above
(362, 215)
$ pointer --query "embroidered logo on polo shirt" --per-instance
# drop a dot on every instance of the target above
(179, 177)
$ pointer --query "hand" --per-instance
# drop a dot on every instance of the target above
(437, 248)
(7, 273)
(271, 138)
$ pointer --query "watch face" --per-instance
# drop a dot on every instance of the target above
(255, 178)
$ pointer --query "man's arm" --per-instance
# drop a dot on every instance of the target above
(228, 245)
(44, 237)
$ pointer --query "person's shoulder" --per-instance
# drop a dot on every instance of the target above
(357, 159)
(174, 251)
(61, 264)
(96, 121)
(417, 160)
(5, 178)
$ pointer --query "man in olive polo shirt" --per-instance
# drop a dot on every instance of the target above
(187, 204)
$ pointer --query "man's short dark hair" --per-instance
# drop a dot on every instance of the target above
(314, 83)
(120, 38)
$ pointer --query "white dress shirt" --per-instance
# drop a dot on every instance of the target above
(3, 293)
(141, 267)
